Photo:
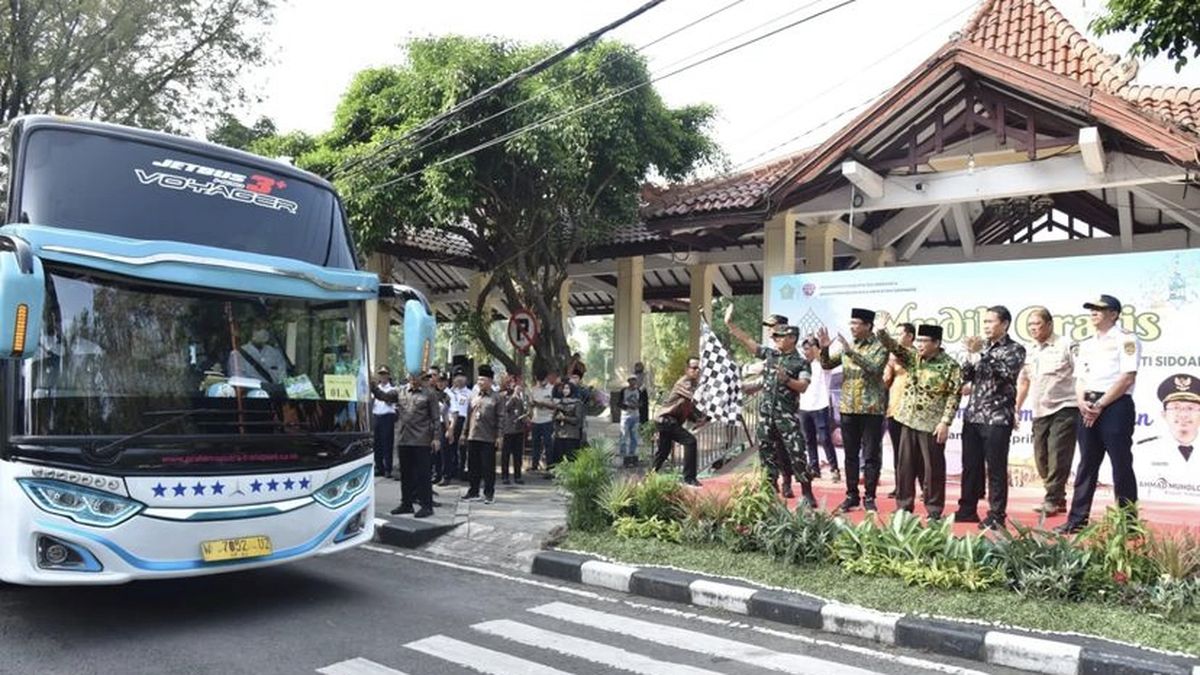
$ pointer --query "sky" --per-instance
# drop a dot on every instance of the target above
(779, 95)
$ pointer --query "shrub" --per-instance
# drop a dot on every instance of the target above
(1177, 555)
(658, 495)
(616, 499)
(584, 478)
(653, 527)
(799, 537)
(1120, 545)
(1173, 599)
(1045, 565)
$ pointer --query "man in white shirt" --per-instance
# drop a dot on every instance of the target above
(815, 418)
(460, 400)
(383, 415)
(1105, 371)
(1048, 380)
(541, 399)
(259, 360)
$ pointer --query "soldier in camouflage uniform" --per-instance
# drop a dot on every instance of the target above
(785, 377)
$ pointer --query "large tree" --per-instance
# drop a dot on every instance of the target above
(1162, 26)
(530, 204)
(149, 63)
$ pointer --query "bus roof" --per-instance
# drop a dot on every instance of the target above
(30, 122)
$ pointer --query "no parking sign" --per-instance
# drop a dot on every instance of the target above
(522, 329)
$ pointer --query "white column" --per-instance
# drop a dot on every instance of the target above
(701, 299)
(881, 258)
(818, 246)
(627, 319)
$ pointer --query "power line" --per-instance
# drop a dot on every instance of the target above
(554, 118)
(376, 156)
(431, 125)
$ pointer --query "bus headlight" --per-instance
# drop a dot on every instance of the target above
(83, 505)
(338, 492)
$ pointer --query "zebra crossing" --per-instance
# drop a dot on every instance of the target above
(614, 643)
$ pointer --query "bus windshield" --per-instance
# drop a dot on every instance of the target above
(118, 357)
(87, 180)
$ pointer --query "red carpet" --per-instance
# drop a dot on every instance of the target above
(1021, 502)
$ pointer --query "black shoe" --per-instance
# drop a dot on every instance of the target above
(787, 492)
(693, 482)
(869, 505)
(488, 499)
(425, 512)
(933, 518)
(892, 494)
(469, 497)
(505, 481)
(403, 508)
(1070, 528)
(848, 505)
(436, 503)
(964, 517)
(808, 498)
(992, 523)
(435, 480)
(378, 473)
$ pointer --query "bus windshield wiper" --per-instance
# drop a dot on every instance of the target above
(111, 450)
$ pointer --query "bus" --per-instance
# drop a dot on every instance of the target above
(183, 356)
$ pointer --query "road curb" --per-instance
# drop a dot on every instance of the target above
(1051, 654)
(410, 532)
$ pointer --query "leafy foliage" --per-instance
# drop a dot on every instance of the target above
(1162, 26)
(585, 478)
(1045, 565)
(630, 527)
(616, 499)
(160, 65)
(658, 496)
(529, 204)
(1120, 544)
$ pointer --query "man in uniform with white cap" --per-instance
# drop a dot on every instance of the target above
(1105, 371)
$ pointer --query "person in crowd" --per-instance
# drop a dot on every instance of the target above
(568, 423)
(483, 437)
(438, 382)
(1173, 457)
(926, 409)
(786, 376)
(1106, 368)
(645, 383)
(992, 370)
(515, 412)
(454, 458)
(862, 403)
(383, 418)
(894, 378)
(420, 420)
(541, 401)
(1048, 380)
(258, 358)
(630, 403)
(816, 418)
(679, 409)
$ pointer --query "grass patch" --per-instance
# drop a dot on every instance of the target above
(892, 595)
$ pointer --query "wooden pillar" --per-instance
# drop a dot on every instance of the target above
(379, 317)
(818, 246)
(881, 258)
(627, 319)
(701, 299)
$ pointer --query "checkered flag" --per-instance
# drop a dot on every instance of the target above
(719, 396)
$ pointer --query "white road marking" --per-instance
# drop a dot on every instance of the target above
(359, 666)
(690, 640)
(692, 616)
(596, 652)
(479, 659)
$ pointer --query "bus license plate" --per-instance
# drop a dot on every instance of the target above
(234, 549)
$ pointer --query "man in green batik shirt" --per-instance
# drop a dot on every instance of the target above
(927, 409)
(785, 377)
(862, 404)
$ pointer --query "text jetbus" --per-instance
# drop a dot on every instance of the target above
(183, 359)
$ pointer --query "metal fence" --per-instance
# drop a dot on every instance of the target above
(721, 442)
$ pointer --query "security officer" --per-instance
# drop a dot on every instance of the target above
(419, 420)
(785, 377)
(1105, 370)
(780, 457)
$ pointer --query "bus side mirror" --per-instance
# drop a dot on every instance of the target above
(22, 297)
(419, 332)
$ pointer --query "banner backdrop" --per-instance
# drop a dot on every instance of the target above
(1160, 293)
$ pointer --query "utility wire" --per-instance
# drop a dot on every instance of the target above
(438, 121)
(376, 156)
(554, 118)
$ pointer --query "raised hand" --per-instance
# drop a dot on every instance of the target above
(823, 337)
(882, 319)
(973, 343)
(729, 313)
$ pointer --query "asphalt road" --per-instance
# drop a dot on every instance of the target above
(374, 610)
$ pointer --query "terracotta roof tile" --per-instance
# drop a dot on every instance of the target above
(1179, 105)
(741, 190)
(1034, 31)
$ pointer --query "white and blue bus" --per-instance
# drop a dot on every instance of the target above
(182, 359)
